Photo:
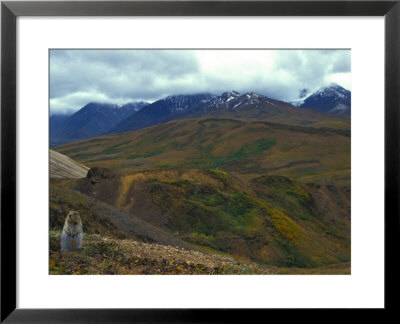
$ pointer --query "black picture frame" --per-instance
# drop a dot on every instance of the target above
(10, 10)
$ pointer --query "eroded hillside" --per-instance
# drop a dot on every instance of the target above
(62, 166)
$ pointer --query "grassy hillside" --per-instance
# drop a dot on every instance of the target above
(101, 218)
(105, 255)
(274, 220)
(259, 191)
(246, 149)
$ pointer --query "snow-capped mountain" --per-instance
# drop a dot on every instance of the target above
(161, 111)
(99, 119)
(188, 106)
(303, 94)
(231, 101)
(180, 103)
(223, 99)
(92, 120)
(332, 99)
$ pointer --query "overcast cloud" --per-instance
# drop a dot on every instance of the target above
(78, 77)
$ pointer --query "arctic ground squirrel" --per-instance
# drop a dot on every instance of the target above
(72, 233)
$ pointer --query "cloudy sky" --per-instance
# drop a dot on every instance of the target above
(78, 77)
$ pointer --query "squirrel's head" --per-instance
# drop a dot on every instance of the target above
(73, 218)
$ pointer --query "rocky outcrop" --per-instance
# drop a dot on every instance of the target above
(98, 173)
(61, 166)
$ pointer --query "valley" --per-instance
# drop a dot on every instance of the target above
(250, 184)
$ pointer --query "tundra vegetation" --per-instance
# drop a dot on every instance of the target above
(210, 195)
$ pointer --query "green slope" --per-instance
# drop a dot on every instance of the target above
(274, 193)
(244, 148)
(284, 224)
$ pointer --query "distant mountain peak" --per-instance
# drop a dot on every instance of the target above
(179, 103)
(162, 110)
(254, 96)
(234, 100)
(331, 98)
(99, 104)
(228, 96)
(334, 85)
(230, 93)
(304, 92)
(178, 96)
(91, 120)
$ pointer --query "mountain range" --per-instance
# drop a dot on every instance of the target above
(92, 120)
(333, 99)
(99, 119)
(160, 111)
(238, 174)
